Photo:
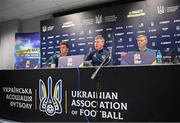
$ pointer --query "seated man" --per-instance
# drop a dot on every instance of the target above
(63, 52)
(148, 55)
(100, 54)
(142, 42)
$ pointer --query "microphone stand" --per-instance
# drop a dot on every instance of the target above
(47, 61)
(98, 84)
(97, 70)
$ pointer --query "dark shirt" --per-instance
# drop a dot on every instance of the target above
(147, 50)
(97, 57)
(55, 59)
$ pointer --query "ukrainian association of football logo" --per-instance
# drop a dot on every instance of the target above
(50, 102)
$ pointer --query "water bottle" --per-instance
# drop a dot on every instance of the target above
(159, 57)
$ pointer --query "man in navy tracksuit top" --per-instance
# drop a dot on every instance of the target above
(98, 56)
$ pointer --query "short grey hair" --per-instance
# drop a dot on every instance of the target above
(140, 36)
(100, 37)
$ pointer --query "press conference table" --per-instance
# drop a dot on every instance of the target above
(121, 93)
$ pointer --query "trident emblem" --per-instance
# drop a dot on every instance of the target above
(48, 103)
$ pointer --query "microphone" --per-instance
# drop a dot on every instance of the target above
(110, 52)
(107, 57)
(169, 53)
(176, 60)
(49, 59)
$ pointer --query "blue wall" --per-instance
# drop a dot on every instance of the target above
(119, 25)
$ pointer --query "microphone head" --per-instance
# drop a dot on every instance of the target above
(110, 52)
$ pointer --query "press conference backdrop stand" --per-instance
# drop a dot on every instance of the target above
(150, 92)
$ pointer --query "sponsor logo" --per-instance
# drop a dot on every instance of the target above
(136, 13)
(160, 9)
(68, 24)
(98, 19)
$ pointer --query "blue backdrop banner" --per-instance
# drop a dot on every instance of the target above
(119, 25)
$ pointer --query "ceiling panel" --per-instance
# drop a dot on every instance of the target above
(38, 5)
(62, 2)
(24, 9)
(4, 4)
(12, 12)
(77, 4)
(43, 12)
